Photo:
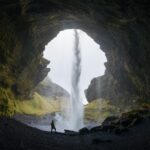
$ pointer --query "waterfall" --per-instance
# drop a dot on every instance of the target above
(72, 117)
(76, 105)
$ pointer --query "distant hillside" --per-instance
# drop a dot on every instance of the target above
(49, 89)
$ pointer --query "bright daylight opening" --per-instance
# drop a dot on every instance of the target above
(75, 59)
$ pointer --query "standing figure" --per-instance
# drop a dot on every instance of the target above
(53, 126)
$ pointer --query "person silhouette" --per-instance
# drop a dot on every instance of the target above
(53, 126)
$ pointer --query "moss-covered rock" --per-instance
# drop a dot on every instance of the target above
(39, 105)
(7, 105)
(98, 110)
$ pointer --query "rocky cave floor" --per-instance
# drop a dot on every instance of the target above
(129, 132)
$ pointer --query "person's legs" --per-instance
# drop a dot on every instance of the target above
(53, 129)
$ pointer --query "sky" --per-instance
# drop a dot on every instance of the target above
(60, 53)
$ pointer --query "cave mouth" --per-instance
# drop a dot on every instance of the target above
(60, 53)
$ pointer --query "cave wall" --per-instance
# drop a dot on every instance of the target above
(120, 27)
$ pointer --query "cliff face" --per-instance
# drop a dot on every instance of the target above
(120, 27)
(51, 90)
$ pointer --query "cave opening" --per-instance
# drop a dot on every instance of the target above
(60, 53)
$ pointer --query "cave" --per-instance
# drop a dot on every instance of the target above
(122, 30)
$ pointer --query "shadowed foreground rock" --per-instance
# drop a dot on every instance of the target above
(17, 136)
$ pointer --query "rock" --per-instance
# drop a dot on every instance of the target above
(99, 141)
(131, 118)
(49, 89)
(96, 129)
(120, 124)
(135, 121)
(71, 133)
(108, 128)
(103, 128)
(111, 120)
(83, 131)
(120, 129)
(126, 121)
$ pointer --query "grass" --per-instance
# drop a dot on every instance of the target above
(95, 111)
(39, 105)
(98, 110)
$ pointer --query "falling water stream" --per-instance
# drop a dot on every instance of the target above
(73, 116)
(76, 105)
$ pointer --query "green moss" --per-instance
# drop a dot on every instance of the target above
(7, 105)
(140, 103)
(98, 110)
(39, 105)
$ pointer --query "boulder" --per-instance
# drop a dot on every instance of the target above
(111, 120)
(83, 131)
(70, 132)
(96, 129)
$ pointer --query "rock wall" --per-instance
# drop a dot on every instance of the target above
(51, 90)
(120, 27)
